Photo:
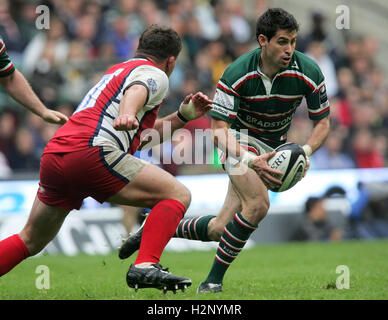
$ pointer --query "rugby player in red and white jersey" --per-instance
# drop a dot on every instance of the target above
(92, 155)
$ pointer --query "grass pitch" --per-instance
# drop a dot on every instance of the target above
(300, 271)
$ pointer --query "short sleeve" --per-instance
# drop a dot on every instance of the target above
(317, 102)
(154, 79)
(226, 102)
(6, 65)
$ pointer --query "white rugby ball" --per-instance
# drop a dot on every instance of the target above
(290, 159)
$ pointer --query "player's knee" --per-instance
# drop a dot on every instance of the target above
(183, 195)
(256, 210)
(186, 197)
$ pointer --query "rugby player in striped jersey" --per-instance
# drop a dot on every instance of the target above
(255, 101)
(17, 86)
(92, 155)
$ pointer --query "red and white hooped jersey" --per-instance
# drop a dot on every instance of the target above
(92, 122)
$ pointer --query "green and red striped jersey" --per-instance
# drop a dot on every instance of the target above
(246, 98)
(6, 65)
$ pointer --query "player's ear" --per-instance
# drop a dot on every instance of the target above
(171, 60)
(170, 65)
(262, 40)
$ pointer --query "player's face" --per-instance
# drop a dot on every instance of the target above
(281, 48)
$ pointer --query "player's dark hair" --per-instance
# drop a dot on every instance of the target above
(275, 19)
(159, 42)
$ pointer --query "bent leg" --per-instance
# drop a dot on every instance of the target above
(253, 195)
(12, 252)
(210, 227)
(254, 204)
(151, 185)
(42, 226)
(169, 199)
(203, 228)
(232, 204)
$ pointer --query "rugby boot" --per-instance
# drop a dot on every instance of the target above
(209, 287)
(132, 243)
(156, 277)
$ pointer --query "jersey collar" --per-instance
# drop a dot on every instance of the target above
(141, 57)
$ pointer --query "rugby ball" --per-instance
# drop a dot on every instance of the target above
(290, 159)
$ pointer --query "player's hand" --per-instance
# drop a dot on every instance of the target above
(195, 106)
(125, 122)
(265, 172)
(202, 104)
(307, 166)
(52, 116)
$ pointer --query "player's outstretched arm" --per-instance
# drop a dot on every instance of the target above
(192, 107)
(18, 88)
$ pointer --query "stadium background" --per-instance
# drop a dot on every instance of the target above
(86, 37)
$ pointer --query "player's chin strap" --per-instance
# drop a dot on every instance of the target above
(307, 150)
(186, 112)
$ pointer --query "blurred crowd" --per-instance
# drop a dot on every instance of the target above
(358, 95)
(367, 216)
(86, 37)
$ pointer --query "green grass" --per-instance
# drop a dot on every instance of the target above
(282, 271)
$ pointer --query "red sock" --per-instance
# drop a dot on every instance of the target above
(159, 228)
(12, 252)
